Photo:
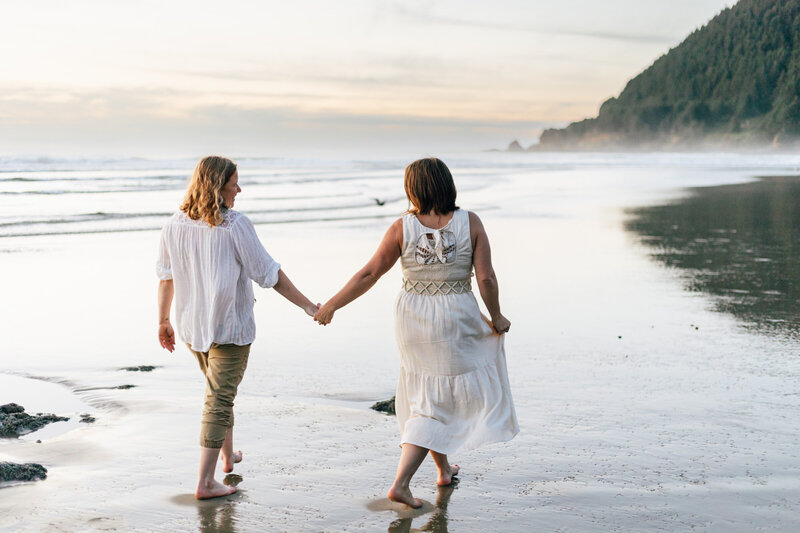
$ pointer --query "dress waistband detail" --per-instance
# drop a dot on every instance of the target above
(431, 288)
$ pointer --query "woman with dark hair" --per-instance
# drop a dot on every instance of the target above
(209, 254)
(453, 393)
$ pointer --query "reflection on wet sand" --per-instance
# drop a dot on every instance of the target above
(232, 480)
(217, 515)
(437, 523)
(738, 243)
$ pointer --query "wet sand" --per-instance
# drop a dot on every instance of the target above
(641, 407)
(739, 244)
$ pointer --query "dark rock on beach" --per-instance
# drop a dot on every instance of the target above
(14, 421)
(140, 368)
(113, 387)
(21, 472)
(11, 408)
(385, 406)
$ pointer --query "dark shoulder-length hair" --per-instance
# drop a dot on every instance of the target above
(430, 187)
(203, 199)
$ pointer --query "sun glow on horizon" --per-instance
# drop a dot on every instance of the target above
(132, 69)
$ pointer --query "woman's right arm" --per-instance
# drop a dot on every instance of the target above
(166, 290)
(166, 335)
(385, 257)
(484, 274)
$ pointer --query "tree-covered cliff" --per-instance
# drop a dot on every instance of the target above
(735, 80)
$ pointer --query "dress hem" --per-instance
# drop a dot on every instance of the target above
(446, 450)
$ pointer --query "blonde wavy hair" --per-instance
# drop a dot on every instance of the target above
(203, 196)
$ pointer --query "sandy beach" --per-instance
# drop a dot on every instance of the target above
(642, 407)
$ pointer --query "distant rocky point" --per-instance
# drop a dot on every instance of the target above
(515, 147)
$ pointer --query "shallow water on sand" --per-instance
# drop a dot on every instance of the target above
(642, 407)
(738, 243)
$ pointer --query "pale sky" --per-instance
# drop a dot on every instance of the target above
(175, 77)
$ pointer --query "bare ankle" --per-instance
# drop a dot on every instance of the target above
(401, 485)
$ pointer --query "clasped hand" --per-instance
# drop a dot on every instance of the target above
(324, 315)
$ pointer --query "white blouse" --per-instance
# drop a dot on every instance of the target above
(212, 267)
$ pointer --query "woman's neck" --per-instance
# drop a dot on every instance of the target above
(435, 220)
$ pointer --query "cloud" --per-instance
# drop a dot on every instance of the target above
(429, 18)
(368, 69)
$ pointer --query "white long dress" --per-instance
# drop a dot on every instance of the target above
(453, 393)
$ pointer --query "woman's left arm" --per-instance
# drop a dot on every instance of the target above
(484, 274)
(385, 257)
(259, 266)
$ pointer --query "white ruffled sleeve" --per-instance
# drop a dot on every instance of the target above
(256, 262)
(164, 265)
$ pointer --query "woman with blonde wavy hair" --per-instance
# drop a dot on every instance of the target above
(209, 256)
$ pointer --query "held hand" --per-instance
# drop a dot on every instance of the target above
(501, 324)
(166, 336)
(324, 315)
(311, 309)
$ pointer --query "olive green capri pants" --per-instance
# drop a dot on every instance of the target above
(223, 366)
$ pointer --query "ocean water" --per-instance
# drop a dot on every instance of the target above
(45, 196)
(653, 393)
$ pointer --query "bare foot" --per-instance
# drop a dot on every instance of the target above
(445, 478)
(228, 462)
(214, 489)
(401, 495)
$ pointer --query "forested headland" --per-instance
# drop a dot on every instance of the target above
(733, 82)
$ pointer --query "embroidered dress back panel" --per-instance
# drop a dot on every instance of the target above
(424, 249)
